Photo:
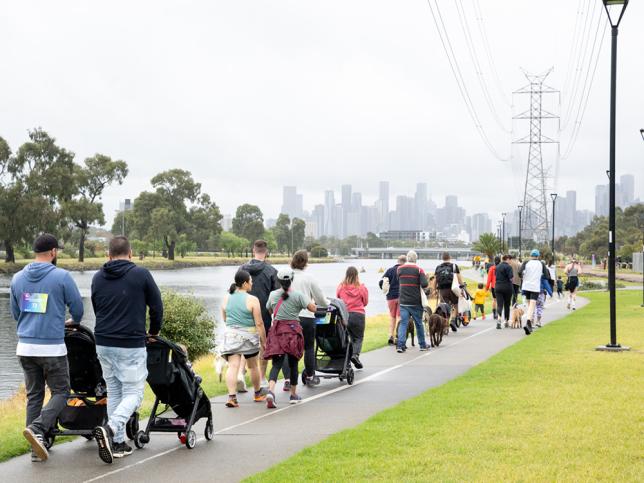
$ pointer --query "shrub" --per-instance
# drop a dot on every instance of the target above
(186, 321)
(319, 252)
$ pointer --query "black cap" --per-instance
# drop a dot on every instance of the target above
(46, 242)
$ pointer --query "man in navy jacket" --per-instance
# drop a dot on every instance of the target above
(121, 294)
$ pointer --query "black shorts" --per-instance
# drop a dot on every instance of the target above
(493, 293)
(247, 356)
(448, 296)
(530, 295)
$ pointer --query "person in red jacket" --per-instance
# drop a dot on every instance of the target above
(491, 283)
(356, 297)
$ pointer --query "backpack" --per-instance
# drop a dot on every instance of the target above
(445, 275)
(385, 285)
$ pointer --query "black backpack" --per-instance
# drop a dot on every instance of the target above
(445, 275)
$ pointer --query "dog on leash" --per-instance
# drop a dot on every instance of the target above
(411, 332)
(438, 325)
(515, 316)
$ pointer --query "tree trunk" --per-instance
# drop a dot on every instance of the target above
(171, 246)
(81, 246)
(10, 256)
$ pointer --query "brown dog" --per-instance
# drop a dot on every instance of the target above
(515, 317)
(438, 325)
(411, 331)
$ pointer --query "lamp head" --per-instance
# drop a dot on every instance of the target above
(615, 10)
(553, 196)
(642, 133)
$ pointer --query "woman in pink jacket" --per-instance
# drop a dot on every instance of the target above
(355, 296)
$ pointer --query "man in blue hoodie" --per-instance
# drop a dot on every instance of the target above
(121, 296)
(40, 295)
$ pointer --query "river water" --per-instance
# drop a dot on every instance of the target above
(209, 284)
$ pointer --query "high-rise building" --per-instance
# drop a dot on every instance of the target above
(289, 200)
(383, 206)
(356, 201)
(601, 200)
(318, 218)
(480, 223)
(329, 213)
(627, 188)
(420, 206)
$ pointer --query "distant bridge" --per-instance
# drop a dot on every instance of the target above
(463, 253)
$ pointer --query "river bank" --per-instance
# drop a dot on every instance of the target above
(156, 263)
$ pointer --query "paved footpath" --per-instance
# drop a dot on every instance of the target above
(253, 438)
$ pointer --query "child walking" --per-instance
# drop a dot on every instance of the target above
(479, 301)
(356, 296)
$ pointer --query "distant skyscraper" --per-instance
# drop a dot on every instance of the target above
(356, 201)
(420, 206)
(289, 200)
(481, 223)
(383, 206)
(329, 213)
(318, 218)
(627, 187)
(601, 200)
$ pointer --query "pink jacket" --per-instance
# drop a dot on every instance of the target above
(355, 298)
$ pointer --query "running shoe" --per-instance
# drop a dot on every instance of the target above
(270, 401)
(498, 325)
(241, 385)
(232, 402)
(506, 325)
(35, 458)
(121, 450)
(390, 341)
(260, 396)
(424, 348)
(287, 386)
(37, 441)
(103, 436)
(312, 380)
(528, 327)
(356, 362)
(294, 399)
(400, 350)
(452, 324)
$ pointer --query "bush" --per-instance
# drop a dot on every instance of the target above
(186, 321)
(319, 252)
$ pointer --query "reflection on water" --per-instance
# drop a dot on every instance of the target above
(209, 284)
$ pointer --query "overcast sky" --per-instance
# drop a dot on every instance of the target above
(252, 95)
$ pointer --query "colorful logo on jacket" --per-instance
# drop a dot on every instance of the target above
(35, 303)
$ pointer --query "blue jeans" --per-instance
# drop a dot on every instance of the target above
(416, 312)
(124, 371)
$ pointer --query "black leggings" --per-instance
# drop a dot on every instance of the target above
(503, 302)
(278, 362)
(308, 331)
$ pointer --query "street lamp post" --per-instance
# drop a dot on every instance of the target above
(554, 198)
(498, 232)
(642, 134)
(520, 213)
(614, 23)
(503, 233)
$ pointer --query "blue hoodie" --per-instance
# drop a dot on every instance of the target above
(48, 327)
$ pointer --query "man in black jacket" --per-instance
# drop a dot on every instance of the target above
(121, 295)
(264, 282)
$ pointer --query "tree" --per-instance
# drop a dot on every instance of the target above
(319, 252)
(33, 185)
(298, 229)
(205, 219)
(123, 223)
(248, 222)
(282, 231)
(232, 244)
(488, 244)
(84, 208)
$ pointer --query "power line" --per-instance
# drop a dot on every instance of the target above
(573, 44)
(579, 69)
(488, 51)
(581, 111)
(477, 66)
(458, 76)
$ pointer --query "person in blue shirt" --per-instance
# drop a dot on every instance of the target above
(390, 282)
(40, 296)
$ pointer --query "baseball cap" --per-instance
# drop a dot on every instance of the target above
(534, 253)
(285, 274)
(46, 242)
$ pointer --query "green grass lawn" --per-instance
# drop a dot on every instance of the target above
(12, 411)
(549, 408)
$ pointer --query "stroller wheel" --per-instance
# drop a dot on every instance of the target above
(132, 426)
(350, 375)
(303, 378)
(141, 439)
(209, 432)
(191, 439)
(49, 441)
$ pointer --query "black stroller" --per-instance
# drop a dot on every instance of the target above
(87, 402)
(174, 384)
(333, 347)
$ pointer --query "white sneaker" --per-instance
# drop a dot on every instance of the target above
(241, 386)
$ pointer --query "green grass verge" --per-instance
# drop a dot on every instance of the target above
(157, 263)
(549, 408)
(12, 411)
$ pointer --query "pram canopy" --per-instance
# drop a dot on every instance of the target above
(85, 373)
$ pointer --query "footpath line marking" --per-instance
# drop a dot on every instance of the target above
(304, 401)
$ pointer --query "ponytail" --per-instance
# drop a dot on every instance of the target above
(286, 284)
(241, 277)
(232, 288)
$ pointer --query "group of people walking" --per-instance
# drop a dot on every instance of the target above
(122, 295)
(268, 316)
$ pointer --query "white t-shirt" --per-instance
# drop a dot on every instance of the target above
(41, 350)
(532, 276)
